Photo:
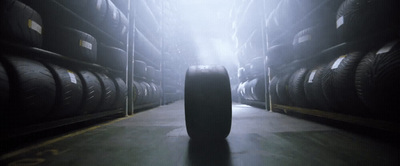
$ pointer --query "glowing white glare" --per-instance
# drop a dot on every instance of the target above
(211, 30)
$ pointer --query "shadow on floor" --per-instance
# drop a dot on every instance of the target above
(208, 153)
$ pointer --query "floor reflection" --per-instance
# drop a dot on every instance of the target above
(209, 153)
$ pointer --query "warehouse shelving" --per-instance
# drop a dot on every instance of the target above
(57, 11)
(325, 56)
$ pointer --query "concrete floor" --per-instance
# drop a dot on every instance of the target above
(158, 137)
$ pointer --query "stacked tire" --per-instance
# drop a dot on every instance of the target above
(37, 91)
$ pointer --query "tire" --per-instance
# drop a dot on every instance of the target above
(296, 88)
(282, 89)
(112, 57)
(20, 23)
(69, 92)
(279, 54)
(272, 90)
(109, 92)
(138, 93)
(313, 88)
(150, 73)
(360, 18)
(257, 89)
(122, 92)
(157, 77)
(33, 90)
(92, 92)
(313, 40)
(71, 43)
(257, 67)
(248, 91)
(140, 69)
(122, 5)
(4, 89)
(92, 10)
(338, 84)
(156, 92)
(149, 92)
(377, 81)
(241, 74)
(208, 104)
(123, 27)
(112, 18)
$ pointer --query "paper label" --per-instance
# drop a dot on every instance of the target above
(35, 26)
(72, 76)
(85, 44)
(339, 22)
(311, 78)
(304, 38)
(387, 47)
(338, 61)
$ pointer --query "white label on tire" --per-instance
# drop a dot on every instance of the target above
(339, 22)
(72, 76)
(311, 78)
(35, 26)
(338, 61)
(98, 5)
(387, 47)
(85, 44)
(304, 38)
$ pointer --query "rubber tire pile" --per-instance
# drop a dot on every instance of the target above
(146, 85)
(252, 81)
(34, 90)
(360, 81)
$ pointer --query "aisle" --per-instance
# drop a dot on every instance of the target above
(158, 137)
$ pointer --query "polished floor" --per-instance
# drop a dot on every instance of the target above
(158, 137)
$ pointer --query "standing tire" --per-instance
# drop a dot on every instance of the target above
(282, 89)
(338, 84)
(378, 79)
(92, 92)
(138, 93)
(296, 88)
(69, 92)
(33, 90)
(122, 91)
(313, 88)
(208, 104)
(272, 90)
(109, 92)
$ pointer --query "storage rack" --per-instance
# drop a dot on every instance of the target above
(327, 54)
(248, 36)
(59, 11)
(147, 40)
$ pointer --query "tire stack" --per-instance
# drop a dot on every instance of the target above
(252, 81)
(147, 89)
(359, 79)
(64, 82)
